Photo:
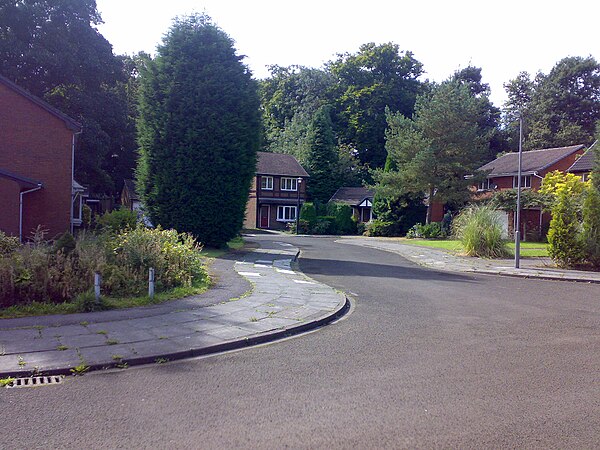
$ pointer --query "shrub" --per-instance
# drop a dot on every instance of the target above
(325, 225)
(591, 226)
(86, 216)
(404, 211)
(380, 228)
(480, 231)
(426, 231)
(8, 244)
(565, 246)
(343, 217)
(117, 221)
(304, 226)
(308, 212)
(174, 256)
(42, 272)
(65, 243)
(361, 228)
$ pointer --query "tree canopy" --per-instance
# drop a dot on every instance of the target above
(199, 131)
(560, 108)
(433, 153)
(53, 49)
(376, 77)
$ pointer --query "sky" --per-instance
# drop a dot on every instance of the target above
(502, 37)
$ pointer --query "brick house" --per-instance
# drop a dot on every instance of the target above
(276, 191)
(36, 165)
(502, 173)
(359, 198)
(584, 165)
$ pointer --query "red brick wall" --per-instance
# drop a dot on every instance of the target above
(564, 163)
(34, 144)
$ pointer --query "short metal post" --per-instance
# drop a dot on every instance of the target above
(97, 282)
(151, 283)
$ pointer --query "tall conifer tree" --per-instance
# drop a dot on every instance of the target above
(199, 130)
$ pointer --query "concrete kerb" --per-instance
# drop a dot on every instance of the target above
(451, 263)
(233, 344)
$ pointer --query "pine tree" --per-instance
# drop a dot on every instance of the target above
(199, 131)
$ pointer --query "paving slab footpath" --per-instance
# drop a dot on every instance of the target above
(274, 301)
(540, 268)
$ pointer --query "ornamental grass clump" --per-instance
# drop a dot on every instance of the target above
(480, 231)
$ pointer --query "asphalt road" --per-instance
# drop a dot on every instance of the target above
(426, 359)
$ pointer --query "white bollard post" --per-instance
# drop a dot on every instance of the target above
(151, 283)
(97, 281)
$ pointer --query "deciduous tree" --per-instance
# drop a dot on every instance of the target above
(54, 50)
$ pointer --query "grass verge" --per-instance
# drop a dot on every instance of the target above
(528, 249)
(234, 244)
(45, 309)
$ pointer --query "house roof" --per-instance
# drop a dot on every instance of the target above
(351, 195)
(533, 161)
(23, 182)
(130, 186)
(69, 122)
(279, 164)
(584, 164)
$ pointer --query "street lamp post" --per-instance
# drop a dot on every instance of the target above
(299, 182)
(518, 214)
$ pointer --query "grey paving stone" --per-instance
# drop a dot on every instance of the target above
(17, 335)
(9, 363)
(123, 326)
(30, 345)
(106, 354)
(205, 325)
(157, 349)
(88, 340)
(50, 360)
(132, 335)
(229, 333)
(169, 331)
(66, 330)
(197, 341)
(265, 325)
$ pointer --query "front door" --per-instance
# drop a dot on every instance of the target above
(265, 211)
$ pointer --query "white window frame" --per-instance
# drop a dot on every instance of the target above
(266, 183)
(486, 185)
(585, 177)
(286, 213)
(525, 181)
(293, 184)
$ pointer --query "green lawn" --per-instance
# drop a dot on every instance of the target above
(234, 244)
(528, 249)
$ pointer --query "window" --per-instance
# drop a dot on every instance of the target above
(485, 185)
(525, 181)
(286, 213)
(266, 183)
(585, 177)
(289, 184)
